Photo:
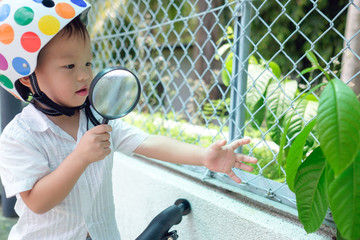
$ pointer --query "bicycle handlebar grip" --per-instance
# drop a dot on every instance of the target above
(184, 205)
(162, 223)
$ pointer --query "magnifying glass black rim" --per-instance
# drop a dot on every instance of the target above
(98, 77)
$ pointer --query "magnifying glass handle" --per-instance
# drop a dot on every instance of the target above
(105, 121)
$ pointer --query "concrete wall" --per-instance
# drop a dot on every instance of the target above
(143, 188)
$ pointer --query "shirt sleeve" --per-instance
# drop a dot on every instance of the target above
(126, 138)
(21, 164)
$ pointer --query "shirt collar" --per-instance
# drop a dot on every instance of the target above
(35, 119)
(39, 122)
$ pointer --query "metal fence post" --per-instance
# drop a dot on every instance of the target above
(239, 73)
(10, 106)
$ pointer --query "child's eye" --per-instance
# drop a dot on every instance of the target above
(70, 66)
(89, 64)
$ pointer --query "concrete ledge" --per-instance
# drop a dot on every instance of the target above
(143, 188)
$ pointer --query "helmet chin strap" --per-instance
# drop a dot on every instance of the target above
(51, 108)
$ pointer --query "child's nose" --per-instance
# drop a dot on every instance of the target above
(84, 75)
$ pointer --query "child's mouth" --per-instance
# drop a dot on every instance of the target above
(82, 92)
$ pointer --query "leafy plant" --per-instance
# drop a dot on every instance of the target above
(330, 175)
(216, 107)
(270, 97)
(272, 101)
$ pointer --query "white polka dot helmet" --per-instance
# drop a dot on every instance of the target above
(26, 26)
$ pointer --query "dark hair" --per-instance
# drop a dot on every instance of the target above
(76, 26)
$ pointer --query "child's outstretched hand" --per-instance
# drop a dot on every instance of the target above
(220, 157)
(95, 144)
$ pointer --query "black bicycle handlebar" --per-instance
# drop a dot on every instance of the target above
(161, 224)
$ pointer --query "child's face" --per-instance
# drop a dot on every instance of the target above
(64, 69)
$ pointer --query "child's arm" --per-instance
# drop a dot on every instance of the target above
(218, 157)
(50, 190)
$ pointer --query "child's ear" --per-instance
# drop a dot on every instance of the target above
(26, 82)
(23, 85)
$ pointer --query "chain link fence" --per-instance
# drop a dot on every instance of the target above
(226, 70)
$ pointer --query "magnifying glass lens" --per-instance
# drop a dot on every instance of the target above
(114, 93)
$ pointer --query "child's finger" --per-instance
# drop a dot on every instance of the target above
(219, 144)
(243, 166)
(104, 136)
(244, 158)
(237, 143)
(234, 177)
(106, 144)
(101, 129)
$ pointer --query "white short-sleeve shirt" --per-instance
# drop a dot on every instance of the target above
(32, 146)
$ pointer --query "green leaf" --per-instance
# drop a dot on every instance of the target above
(279, 97)
(259, 114)
(312, 58)
(338, 236)
(229, 35)
(227, 71)
(344, 197)
(222, 50)
(306, 107)
(311, 193)
(338, 125)
(257, 84)
(295, 155)
(306, 70)
(229, 31)
(275, 69)
(252, 60)
(305, 111)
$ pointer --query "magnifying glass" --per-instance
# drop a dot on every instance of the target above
(114, 93)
